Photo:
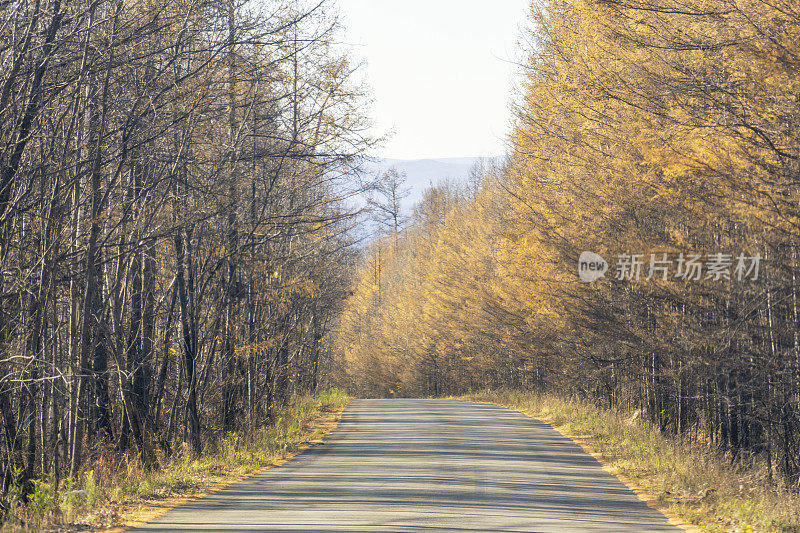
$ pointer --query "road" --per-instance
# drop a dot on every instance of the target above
(426, 465)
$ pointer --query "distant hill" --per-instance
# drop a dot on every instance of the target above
(422, 173)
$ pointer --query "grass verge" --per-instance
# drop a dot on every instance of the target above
(113, 496)
(687, 481)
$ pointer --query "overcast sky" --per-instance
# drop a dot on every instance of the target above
(440, 70)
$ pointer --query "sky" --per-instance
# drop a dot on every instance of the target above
(441, 72)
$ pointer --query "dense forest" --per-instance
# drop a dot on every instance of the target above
(661, 135)
(174, 226)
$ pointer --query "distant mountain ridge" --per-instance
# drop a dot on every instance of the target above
(422, 173)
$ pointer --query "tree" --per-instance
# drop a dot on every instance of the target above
(172, 185)
(387, 201)
(648, 127)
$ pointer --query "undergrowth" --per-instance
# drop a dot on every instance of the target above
(111, 490)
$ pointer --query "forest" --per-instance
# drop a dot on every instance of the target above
(175, 222)
(182, 247)
(660, 135)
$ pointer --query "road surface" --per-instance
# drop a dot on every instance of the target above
(426, 465)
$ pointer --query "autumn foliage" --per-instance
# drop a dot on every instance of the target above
(645, 127)
(174, 226)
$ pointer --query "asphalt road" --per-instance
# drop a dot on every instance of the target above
(427, 465)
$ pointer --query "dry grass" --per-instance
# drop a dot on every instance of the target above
(119, 494)
(683, 479)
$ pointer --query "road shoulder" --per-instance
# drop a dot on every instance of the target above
(585, 444)
(137, 513)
